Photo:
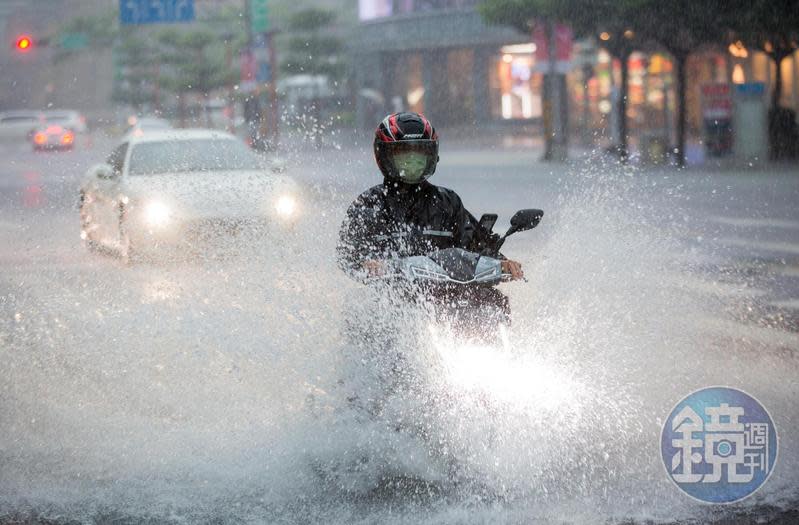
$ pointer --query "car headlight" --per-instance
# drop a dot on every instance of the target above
(286, 206)
(156, 213)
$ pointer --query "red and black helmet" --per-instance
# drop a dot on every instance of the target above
(406, 147)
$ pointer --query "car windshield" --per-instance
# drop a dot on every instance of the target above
(152, 124)
(57, 118)
(209, 154)
(18, 119)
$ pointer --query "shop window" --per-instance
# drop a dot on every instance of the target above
(786, 68)
(761, 67)
(738, 74)
(408, 84)
(515, 92)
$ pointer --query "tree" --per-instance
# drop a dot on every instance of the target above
(771, 26)
(681, 27)
(524, 15)
(613, 24)
(136, 65)
(312, 49)
(98, 31)
(194, 62)
(614, 20)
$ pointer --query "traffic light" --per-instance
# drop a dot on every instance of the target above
(23, 43)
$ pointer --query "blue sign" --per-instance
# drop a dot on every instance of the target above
(264, 72)
(155, 11)
(751, 89)
(719, 445)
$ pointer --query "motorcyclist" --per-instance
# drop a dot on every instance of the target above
(407, 215)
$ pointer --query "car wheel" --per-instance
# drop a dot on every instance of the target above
(86, 225)
(126, 252)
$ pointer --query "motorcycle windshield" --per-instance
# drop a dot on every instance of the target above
(458, 263)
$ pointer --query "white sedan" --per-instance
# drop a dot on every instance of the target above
(19, 125)
(181, 189)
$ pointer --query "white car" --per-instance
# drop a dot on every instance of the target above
(19, 125)
(182, 189)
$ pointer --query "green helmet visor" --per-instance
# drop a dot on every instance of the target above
(410, 161)
(411, 166)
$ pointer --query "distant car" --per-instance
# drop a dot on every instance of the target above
(182, 189)
(19, 125)
(53, 137)
(141, 125)
(66, 118)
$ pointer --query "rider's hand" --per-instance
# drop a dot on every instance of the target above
(373, 268)
(513, 268)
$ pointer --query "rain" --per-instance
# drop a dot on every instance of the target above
(399, 261)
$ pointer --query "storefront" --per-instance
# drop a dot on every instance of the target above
(440, 58)
(515, 90)
(446, 63)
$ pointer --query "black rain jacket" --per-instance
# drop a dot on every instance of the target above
(395, 220)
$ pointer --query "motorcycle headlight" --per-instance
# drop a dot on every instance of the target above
(286, 206)
(497, 371)
(156, 214)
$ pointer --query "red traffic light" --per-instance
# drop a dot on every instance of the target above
(24, 43)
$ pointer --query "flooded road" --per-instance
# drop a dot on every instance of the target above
(205, 389)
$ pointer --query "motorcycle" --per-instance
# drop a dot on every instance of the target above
(460, 284)
(438, 308)
(407, 381)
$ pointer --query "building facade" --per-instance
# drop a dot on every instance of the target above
(440, 58)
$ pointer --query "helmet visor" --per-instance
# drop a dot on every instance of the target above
(411, 166)
(413, 161)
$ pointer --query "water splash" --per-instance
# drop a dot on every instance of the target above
(193, 391)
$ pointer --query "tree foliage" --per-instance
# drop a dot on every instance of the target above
(678, 26)
(314, 48)
(771, 26)
(192, 61)
(134, 61)
(100, 30)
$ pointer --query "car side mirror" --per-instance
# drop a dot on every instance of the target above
(524, 220)
(103, 172)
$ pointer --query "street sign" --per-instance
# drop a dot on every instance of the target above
(264, 72)
(564, 42)
(751, 89)
(73, 41)
(259, 19)
(750, 120)
(248, 71)
(155, 11)
(716, 101)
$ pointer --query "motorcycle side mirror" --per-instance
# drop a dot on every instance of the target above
(524, 220)
(487, 221)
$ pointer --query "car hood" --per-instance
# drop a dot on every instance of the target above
(213, 194)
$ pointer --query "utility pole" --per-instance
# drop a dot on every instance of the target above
(262, 118)
(230, 105)
(270, 114)
(253, 112)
